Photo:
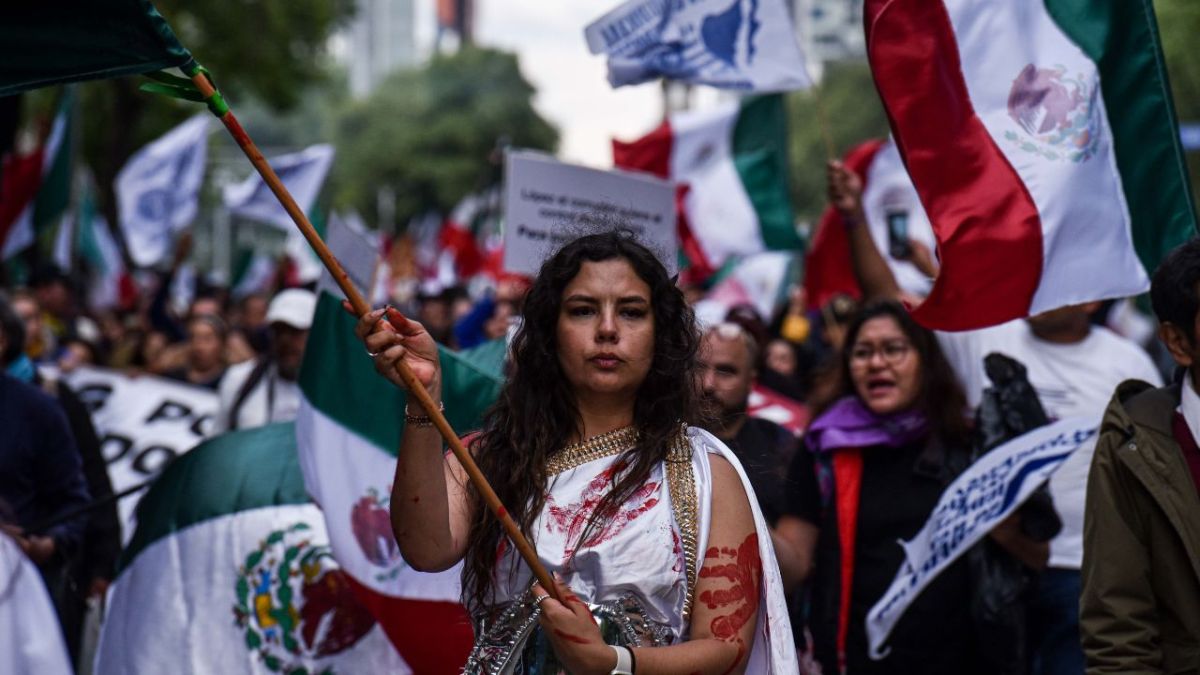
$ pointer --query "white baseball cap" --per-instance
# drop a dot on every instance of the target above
(293, 306)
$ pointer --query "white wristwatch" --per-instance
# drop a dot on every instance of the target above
(624, 661)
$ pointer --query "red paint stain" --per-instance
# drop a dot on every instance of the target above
(502, 513)
(571, 638)
(742, 568)
(395, 318)
(573, 518)
(235, 129)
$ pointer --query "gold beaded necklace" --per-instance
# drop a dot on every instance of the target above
(587, 450)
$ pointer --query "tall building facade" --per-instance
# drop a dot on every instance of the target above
(381, 38)
(830, 30)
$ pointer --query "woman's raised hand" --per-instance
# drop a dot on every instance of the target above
(399, 339)
(844, 188)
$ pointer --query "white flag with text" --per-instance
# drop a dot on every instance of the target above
(747, 45)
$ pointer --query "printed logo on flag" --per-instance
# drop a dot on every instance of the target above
(372, 527)
(748, 45)
(159, 203)
(699, 45)
(1058, 114)
(295, 606)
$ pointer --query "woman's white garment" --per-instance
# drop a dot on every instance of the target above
(641, 550)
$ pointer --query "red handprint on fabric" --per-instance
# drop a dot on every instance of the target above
(573, 518)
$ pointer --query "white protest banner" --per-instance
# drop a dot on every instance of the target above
(143, 423)
(548, 203)
(748, 45)
(985, 494)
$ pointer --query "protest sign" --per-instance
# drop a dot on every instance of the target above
(143, 423)
(357, 250)
(978, 500)
(548, 203)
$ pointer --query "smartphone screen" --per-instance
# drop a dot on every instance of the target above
(897, 226)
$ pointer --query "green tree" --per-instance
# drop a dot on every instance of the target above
(845, 103)
(432, 134)
(272, 51)
(1179, 23)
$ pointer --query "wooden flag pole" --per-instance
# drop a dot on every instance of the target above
(823, 124)
(361, 307)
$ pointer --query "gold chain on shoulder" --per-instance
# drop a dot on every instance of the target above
(604, 445)
(681, 482)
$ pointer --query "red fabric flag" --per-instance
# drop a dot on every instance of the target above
(827, 266)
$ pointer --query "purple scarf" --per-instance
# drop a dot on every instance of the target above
(849, 424)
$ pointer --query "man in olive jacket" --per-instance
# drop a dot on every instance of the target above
(1140, 608)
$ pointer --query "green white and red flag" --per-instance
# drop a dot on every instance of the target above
(458, 236)
(35, 188)
(84, 237)
(230, 572)
(730, 166)
(1041, 138)
(348, 429)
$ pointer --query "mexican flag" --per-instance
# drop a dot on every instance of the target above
(230, 571)
(35, 189)
(47, 43)
(457, 237)
(1042, 140)
(730, 163)
(348, 428)
(109, 282)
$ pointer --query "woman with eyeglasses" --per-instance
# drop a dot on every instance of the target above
(648, 522)
(875, 464)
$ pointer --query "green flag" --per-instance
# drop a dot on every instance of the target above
(47, 43)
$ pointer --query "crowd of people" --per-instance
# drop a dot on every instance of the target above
(893, 423)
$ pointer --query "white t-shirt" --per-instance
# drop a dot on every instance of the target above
(1189, 407)
(283, 397)
(1070, 379)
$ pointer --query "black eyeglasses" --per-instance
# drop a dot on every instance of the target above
(892, 351)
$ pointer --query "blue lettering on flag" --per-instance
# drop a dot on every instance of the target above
(971, 506)
(683, 40)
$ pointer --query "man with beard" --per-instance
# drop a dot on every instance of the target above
(727, 369)
(265, 390)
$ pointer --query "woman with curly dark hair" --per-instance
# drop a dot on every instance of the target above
(645, 520)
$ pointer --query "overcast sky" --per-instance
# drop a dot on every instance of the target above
(573, 91)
